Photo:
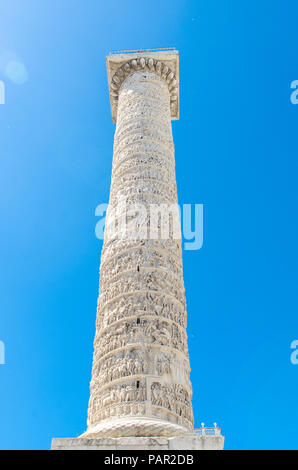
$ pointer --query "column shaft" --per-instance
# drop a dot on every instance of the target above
(141, 365)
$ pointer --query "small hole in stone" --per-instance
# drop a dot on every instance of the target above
(138, 384)
(138, 321)
(138, 268)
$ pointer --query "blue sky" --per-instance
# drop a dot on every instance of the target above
(236, 152)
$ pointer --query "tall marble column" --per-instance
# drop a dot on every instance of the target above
(140, 385)
(140, 378)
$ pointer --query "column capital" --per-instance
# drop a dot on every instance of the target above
(163, 62)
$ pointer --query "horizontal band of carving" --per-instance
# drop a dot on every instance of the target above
(141, 166)
(147, 133)
(138, 284)
(140, 189)
(127, 246)
(150, 109)
(142, 346)
(147, 167)
(140, 122)
(170, 233)
(131, 378)
(156, 311)
(144, 146)
(180, 419)
(145, 139)
(169, 398)
(141, 156)
(140, 316)
(148, 160)
(148, 202)
(168, 157)
(139, 255)
(139, 113)
(138, 166)
(120, 381)
(164, 254)
(108, 342)
(156, 160)
(129, 103)
(112, 259)
(156, 187)
(143, 291)
(115, 268)
(143, 270)
(147, 108)
(139, 360)
(132, 103)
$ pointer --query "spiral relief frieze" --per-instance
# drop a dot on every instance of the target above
(140, 364)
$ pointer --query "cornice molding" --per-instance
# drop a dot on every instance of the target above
(164, 65)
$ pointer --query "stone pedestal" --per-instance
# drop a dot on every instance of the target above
(141, 443)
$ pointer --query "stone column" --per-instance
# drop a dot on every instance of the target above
(140, 387)
(140, 378)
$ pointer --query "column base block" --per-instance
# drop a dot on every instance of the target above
(191, 442)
